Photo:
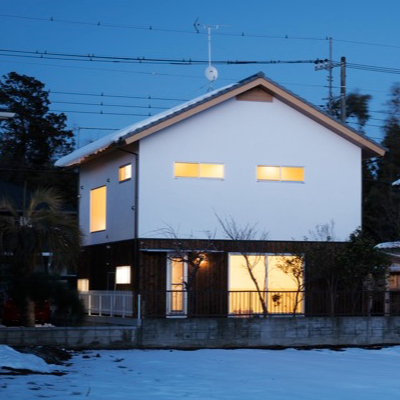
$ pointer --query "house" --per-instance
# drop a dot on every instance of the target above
(154, 194)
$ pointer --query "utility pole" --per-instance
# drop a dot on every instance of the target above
(330, 78)
(343, 88)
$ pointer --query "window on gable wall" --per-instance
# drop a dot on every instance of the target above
(278, 173)
(98, 207)
(198, 170)
(125, 173)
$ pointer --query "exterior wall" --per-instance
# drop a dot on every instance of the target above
(242, 135)
(120, 219)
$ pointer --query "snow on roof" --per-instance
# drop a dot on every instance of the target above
(101, 144)
(396, 183)
(388, 245)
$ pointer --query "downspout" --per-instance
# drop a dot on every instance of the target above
(136, 259)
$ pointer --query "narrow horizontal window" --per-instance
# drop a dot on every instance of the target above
(278, 173)
(98, 209)
(125, 172)
(198, 170)
(295, 174)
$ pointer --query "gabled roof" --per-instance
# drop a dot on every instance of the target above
(137, 131)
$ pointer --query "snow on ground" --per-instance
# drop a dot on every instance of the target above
(355, 374)
(11, 358)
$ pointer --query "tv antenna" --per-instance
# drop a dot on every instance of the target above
(211, 72)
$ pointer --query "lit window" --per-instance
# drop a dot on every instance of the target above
(123, 275)
(275, 173)
(267, 173)
(294, 174)
(198, 170)
(98, 209)
(83, 285)
(125, 173)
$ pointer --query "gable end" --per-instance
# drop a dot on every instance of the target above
(255, 94)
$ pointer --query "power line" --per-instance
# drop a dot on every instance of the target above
(100, 113)
(109, 105)
(116, 96)
(137, 60)
(152, 28)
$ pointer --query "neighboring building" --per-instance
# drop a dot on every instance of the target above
(251, 151)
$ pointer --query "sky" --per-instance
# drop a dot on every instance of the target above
(52, 40)
(243, 374)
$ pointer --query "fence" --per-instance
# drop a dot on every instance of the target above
(108, 303)
(174, 303)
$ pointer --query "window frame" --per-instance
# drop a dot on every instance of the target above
(119, 173)
(280, 173)
(91, 230)
(199, 164)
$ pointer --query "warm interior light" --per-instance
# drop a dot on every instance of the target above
(123, 275)
(83, 285)
(125, 172)
(186, 170)
(295, 174)
(98, 209)
(212, 171)
(268, 173)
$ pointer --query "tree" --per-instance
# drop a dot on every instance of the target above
(26, 234)
(35, 136)
(239, 236)
(32, 140)
(357, 108)
(381, 199)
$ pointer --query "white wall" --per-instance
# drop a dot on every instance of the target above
(242, 135)
(120, 217)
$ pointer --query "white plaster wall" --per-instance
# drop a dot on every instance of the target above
(242, 135)
(120, 216)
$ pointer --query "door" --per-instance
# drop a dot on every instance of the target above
(176, 294)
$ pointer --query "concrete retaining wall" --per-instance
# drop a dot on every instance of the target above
(79, 337)
(217, 333)
(278, 331)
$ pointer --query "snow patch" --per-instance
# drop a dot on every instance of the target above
(11, 358)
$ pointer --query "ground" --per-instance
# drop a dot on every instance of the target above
(209, 374)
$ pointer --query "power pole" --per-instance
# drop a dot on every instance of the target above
(330, 78)
(343, 88)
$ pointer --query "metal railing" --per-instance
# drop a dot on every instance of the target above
(196, 304)
(108, 303)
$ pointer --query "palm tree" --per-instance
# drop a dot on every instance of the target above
(39, 227)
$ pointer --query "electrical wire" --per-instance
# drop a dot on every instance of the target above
(109, 105)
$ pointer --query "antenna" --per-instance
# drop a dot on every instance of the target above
(211, 72)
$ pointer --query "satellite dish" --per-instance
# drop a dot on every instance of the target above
(211, 73)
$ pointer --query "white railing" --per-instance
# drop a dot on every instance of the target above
(108, 303)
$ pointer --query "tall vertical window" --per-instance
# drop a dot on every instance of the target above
(278, 173)
(98, 209)
(125, 172)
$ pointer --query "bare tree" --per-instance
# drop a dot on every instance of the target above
(190, 250)
(239, 235)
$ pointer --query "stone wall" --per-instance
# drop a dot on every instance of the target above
(216, 333)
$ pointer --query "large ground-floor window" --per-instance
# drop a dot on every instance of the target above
(260, 283)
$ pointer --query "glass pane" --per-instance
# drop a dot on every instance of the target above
(186, 170)
(267, 173)
(245, 300)
(295, 174)
(283, 296)
(125, 172)
(123, 275)
(177, 272)
(212, 171)
(98, 209)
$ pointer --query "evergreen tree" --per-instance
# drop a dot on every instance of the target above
(382, 201)
(32, 140)
(35, 136)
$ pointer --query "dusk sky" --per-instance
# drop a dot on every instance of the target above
(365, 32)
